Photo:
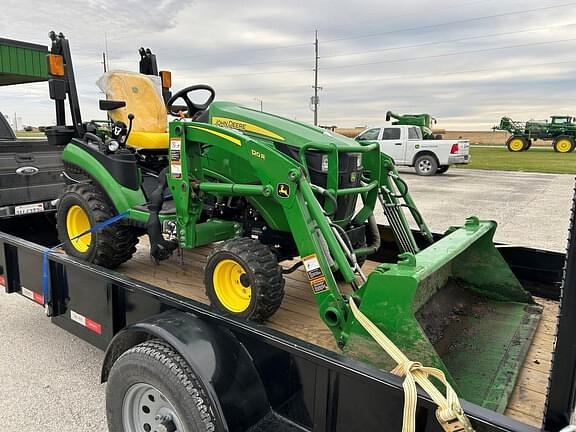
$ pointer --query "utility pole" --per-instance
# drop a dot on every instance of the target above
(261, 103)
(315, 86)
(104, 61)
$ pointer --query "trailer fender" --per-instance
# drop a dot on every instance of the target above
(220, 361)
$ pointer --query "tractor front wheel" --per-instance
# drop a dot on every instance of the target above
(517, 143)
(82, 206)
(243, 278)
(563, 144)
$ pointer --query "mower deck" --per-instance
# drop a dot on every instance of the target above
(298, 317)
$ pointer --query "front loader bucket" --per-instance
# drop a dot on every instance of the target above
(456, 306)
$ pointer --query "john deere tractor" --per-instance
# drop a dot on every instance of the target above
(264, 189)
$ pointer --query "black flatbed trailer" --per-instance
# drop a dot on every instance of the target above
(258, 378)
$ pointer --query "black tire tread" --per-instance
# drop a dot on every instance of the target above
(268, 282)
(162, 353)
(116, 243)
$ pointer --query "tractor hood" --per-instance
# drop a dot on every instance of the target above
(272, 127)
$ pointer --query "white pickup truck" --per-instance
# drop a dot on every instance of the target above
(405, 145)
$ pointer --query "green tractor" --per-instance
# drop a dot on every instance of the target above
(561, 130)
(263, 190)
(423, 121)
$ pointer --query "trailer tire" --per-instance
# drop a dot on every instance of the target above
(243, 278)
(81, 206)
(426, 164)
(151, 381)
(563, 144)
(442, 169)
(517, 143)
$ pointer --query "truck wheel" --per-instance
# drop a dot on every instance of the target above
(563, 144)
(152, 388)
(426, 165)
(82, 206)
(243, 278)
(516, 143)
(442, 169)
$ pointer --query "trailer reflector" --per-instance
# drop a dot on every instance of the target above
(38, 298)
(2, 281)
(86, 322)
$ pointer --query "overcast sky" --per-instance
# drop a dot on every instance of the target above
(468, 62)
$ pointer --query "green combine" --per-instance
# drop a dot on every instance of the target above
(423, 121)
(263, 190)
(561, 130)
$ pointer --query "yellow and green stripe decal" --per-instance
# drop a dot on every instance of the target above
(243, 126)
(219, 134)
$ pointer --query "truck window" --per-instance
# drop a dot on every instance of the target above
(370, 134)
(414, 133)
(391, 134)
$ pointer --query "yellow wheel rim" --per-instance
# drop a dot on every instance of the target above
(232, 286)
(516, 144)
(563, 146)
(77, 222)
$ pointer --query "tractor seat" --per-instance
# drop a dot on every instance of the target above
(143, 97)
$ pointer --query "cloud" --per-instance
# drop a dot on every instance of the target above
(468, 62)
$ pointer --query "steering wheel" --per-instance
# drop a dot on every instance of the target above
(190, 108)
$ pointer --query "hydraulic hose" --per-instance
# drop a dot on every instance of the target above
(160, 249)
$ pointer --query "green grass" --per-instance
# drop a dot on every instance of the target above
(544, 160)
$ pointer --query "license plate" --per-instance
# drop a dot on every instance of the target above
(28, 209)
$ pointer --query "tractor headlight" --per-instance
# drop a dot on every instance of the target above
(325, 163)
(113, 145)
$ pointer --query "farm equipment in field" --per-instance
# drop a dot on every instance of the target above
(265, 190)
(561, 130)
(423, 121)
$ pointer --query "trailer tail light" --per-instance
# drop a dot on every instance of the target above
(454, 149)
(55, 64)
(166, 77)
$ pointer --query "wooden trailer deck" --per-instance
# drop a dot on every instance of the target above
(298, 317)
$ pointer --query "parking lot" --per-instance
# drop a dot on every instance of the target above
(51, 379)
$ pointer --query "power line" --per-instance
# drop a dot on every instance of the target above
(463, 21)
(454, 53)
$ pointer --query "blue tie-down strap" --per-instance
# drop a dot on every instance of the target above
(45, 276)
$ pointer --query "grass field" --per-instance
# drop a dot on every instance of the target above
(543, 160)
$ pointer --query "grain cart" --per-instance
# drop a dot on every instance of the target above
(561, 130)
(264, 190)
(423, 121)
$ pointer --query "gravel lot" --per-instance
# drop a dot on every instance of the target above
(51, 379)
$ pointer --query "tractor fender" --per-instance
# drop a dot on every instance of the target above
(221, 363)
(122, 197)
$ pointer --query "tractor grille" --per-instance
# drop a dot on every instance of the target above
(349, 175)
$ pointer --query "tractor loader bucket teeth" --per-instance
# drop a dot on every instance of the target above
(456, 306)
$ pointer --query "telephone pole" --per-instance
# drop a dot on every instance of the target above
(104, 61)
(315, 99)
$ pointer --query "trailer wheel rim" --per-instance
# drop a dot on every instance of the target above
(145, 408)
(563, 145)
(232, 285)
(77, 222)
(425, 166)
(516, 144)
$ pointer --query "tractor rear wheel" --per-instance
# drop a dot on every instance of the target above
(563, 144)
(82, 206)
(243, 278)
(517, 143)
